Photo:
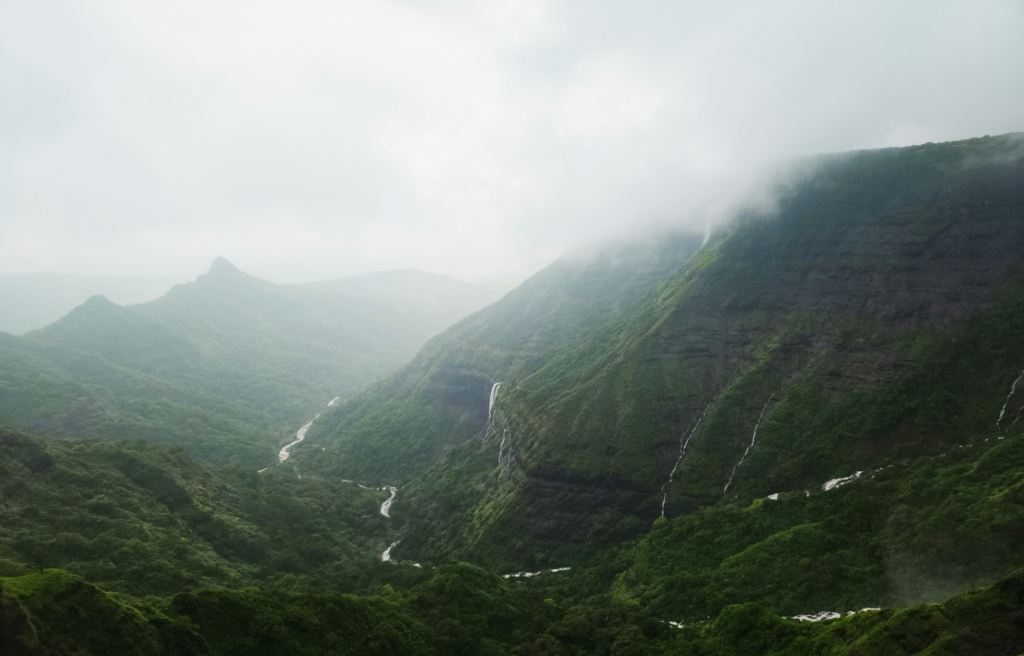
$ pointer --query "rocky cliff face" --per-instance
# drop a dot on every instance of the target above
(870, 316)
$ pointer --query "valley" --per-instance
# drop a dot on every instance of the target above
(798, 434)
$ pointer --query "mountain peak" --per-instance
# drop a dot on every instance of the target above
(222, 267)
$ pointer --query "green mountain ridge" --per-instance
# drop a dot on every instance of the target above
(875, 314)
(815, 411)
(227, 366)
(397, 427)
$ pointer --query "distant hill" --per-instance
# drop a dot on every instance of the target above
(29, 301)
(227, 366)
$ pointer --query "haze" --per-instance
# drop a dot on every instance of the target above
(314, 140)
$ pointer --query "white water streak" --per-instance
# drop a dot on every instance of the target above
(683, 443)
(286, 450)
(494, 397)
(501, 447)
(750, 446)
(300, 435)
(386, 506)
(829, 615)
(386, 556)
(1013, 388)
(817, 617)
(836, 482)
(526, 575)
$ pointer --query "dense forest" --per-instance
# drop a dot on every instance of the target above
(798, 436)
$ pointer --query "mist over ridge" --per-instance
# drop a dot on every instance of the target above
(511, 328)
(482, 141)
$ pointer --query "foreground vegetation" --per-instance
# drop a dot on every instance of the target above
(464, 610)
(138, 518)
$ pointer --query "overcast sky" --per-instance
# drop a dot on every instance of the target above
(307, 140)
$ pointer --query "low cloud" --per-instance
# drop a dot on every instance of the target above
(318, 139)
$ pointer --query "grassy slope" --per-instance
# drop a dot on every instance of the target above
(226, 367)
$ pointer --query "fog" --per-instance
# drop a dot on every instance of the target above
(311, 140)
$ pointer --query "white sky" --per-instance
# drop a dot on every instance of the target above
(306, 140)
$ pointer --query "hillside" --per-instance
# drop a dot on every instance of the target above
(800, 437)
(227, 366)
(873, 317)
(141, 519)
(398, 426)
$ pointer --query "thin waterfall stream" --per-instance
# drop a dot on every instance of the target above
(501, 447)
(286, 450)
(749, 446)
(386, 506)
(1013, 388)
(494, 397)
(684, 441)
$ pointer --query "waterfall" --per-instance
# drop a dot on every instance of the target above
(1013, 388)
(684, 441)
(836, 482)
(386, 556)
(385, 507)
(494, 397)
(490, 412)
(749, 447)
(501, 447)
(300, 435)
(526, 575)
(286, 450)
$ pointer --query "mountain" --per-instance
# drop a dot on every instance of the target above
(32, 300)
(873, 316)
(226, 366)
(800, 436)
(394, 429)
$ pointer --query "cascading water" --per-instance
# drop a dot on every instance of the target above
(750, 446)
(684, 441)
(501, 447)
(286, 450)
(837, 482)
(300, 435)
(385, 508)
(1013, 388)
(386, 556)
(526, 575)
(494, 397)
